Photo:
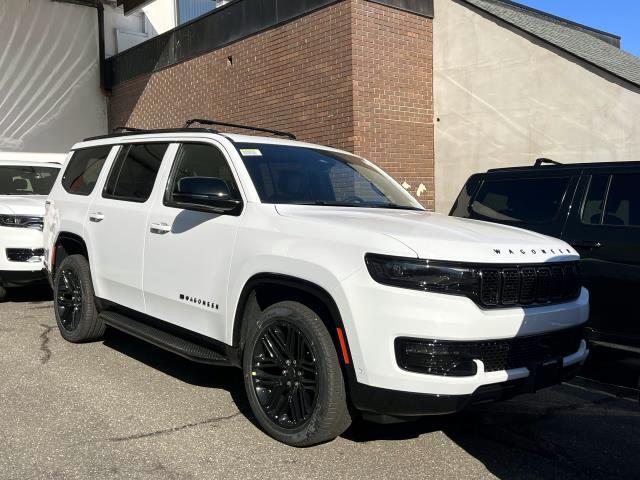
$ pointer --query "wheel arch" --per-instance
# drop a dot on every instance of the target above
(265, 289)
(67, 244)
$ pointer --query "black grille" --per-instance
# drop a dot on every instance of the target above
(437, 357)
(23, 254)
(529, 285)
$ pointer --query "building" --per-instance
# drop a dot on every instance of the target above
(430, 90)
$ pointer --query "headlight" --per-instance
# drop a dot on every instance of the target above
(432, 276)
(21, 221)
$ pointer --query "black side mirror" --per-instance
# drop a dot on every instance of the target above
(205, 193)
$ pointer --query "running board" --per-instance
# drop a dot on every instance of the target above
(165, 340)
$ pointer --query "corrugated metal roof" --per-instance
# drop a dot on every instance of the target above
(574, 39)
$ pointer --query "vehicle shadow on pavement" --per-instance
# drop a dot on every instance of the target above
(565, 432)
(226, 378)
(30, 294)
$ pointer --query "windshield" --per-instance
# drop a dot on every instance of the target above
(26, 179)
(310, 176)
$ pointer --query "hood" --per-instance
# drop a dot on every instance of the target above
(22, 205)
(440, 237)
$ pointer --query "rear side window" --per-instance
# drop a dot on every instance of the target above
(523, 200)
(83, 170)
(134, 172)
(613, 200)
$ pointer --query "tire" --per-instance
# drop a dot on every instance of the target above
(3, 293)
(303, 402)
(74, 301)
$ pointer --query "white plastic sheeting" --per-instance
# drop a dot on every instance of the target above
(50, 93)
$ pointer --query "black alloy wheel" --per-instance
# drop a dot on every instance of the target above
(293, 377)
(285, 375)
(74, 302)
(69, 299)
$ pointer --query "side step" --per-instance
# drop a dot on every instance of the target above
(165, 340)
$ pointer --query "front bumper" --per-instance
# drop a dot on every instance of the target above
(12, 272)
(377, 315)
(393, 403)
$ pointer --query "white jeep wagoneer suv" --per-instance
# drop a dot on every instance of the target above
(313, 271)
(25, 182)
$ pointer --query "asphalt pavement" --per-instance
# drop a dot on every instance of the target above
(120, 408)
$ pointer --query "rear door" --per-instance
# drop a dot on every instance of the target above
(188, 251)
(604, 227)
(535, 200)
(115, 226)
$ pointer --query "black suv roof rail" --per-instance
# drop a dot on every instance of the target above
(543, 161)
(204, 121)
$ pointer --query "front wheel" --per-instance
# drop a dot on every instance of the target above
(293, 378)
(75, 308)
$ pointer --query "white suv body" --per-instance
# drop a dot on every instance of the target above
(25, 181)
(416, 326)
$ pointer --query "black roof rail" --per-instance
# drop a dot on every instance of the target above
(204, 121)
(128, 129)
(542, 161)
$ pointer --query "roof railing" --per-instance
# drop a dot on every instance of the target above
(128, 129)
(545, 161)
(204, 121)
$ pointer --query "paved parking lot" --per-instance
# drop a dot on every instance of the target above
(124, 409)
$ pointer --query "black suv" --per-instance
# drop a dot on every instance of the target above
(594, 207)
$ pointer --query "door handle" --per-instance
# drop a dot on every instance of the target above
(96, 217)
(160, 228)
(590, 244)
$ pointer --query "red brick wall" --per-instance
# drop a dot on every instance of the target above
(354, 75)
(392, 90)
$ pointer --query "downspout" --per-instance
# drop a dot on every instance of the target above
(101, 52)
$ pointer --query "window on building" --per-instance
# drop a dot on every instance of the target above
(526, 200)
(83, 170)
(134, 172)
(190, 9)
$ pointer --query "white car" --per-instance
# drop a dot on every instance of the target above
(313, 271)
(25, 182)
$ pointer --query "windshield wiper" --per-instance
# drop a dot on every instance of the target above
(397, 207)
(360, 205)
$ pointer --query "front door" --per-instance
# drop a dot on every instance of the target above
(605, 229)
(188, 252)
(116, 223)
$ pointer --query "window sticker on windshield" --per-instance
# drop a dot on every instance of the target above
(250, 152)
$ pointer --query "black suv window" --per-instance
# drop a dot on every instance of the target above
(622, 204)
(522, 200)
(83, 170)
(201, 160)
(134, 172)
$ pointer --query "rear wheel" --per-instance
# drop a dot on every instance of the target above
(293, 377)
(3, 293)
(75, 308)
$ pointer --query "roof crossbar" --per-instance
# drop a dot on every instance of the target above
(204, 121)
(542, 161)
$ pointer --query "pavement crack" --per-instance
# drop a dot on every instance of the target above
(44, 344)
(168, 431)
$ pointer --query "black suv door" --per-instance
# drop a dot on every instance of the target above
(604, 226)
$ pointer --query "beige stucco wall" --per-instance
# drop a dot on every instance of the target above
(503, 99)
(49, 76)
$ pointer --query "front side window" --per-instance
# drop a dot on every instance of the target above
(312, 176)
(524, 200)
(134, 172)
(201, 160)
(27, 179)
(83, 169)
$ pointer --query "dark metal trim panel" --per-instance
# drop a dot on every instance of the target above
(419, 7)
(232, 22)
